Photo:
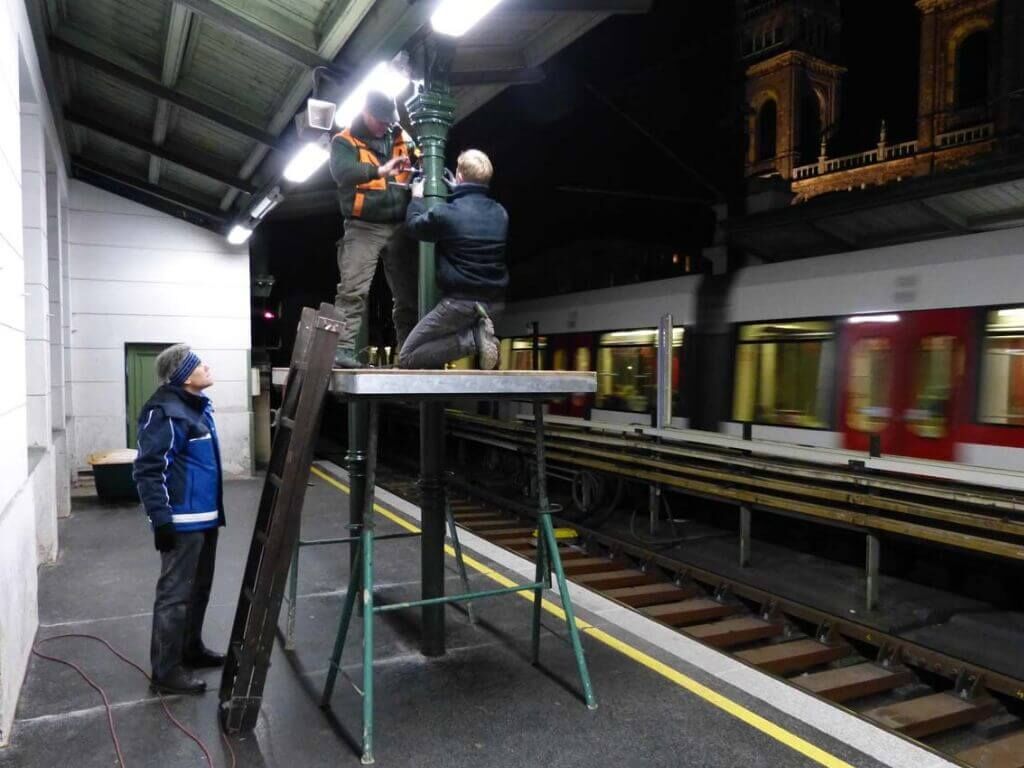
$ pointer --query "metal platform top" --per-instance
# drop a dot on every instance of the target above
(453, 384)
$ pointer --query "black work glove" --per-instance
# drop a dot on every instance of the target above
(164, 537)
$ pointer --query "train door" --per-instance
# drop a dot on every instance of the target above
(903, 380)
(572, 352)
(936, 354)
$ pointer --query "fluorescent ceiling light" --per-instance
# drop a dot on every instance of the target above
(383, 78)
(456, 17)
(266, 205)
(238, 234)
(306, 162)
(858, 319)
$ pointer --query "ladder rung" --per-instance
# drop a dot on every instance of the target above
(287, 423)
(273, 479)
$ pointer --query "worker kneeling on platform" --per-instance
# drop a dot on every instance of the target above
(470, 230)
(178, 475)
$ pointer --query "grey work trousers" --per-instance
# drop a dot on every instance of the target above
(363, 244)
(182, 594)
(445, 334)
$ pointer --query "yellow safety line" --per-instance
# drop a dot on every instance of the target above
(714, 698)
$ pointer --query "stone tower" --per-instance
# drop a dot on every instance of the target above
(789, 50)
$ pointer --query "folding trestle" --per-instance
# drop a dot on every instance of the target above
(361, 582)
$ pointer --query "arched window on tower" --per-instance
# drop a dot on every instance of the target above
(972, 71)
(811, 126)
(766, 130)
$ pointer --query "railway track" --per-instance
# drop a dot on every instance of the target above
(967, 713)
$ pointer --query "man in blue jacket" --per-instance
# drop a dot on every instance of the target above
(178, 476)
(470, 230)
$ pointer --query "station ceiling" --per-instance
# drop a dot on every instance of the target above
(187, 105)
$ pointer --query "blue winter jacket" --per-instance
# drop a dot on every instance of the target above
(178, 471)
(470, 230)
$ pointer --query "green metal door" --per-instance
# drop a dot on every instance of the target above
(140, 382)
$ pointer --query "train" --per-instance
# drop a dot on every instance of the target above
(914, 350)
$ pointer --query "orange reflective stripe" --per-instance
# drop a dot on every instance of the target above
(367, 155)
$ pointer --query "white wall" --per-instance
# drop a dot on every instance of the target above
(29, 492)
(140, 276)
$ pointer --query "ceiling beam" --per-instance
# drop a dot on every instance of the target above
(263, 34)
(575, 6)
(948, 220)
(156, 88)
(178, 25)
(143, 192)
(191, 162)
(835, 237)
(515, 76)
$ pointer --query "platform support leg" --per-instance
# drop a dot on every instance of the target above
(538, 594)
(339, 640)
(355, 462)
(547, 541)
(366, 547)
(460, 563)
(432, 542)
(744, 536)
(873, 561)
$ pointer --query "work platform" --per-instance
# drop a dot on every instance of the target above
(665, 700)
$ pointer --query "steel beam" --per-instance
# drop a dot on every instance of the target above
(577, 6)
(154, 87)
(513, 76)
(873, 561)
(744, 536)
(138, 142)
(264, 35)
(150, 195)
(178, 25)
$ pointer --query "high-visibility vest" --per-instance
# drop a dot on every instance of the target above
(367, 155)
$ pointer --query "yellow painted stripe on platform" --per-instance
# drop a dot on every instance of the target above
(714, 698)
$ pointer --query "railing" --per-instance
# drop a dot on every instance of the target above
(965, 136)
(859, 160)
(906, 149)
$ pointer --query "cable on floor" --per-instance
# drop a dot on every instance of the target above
(106, 701)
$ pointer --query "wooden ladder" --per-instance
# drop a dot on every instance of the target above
(277, 523)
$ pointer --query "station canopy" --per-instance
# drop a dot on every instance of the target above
(188, 106)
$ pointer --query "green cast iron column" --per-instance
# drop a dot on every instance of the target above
(432, 113)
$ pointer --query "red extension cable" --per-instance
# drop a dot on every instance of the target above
(106, 702)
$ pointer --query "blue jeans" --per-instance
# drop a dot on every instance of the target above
(444, 334)
(182, 593)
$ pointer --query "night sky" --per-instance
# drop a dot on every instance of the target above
(609, 166)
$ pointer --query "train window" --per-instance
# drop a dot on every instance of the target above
(627, 369)
(870, 385)
(1002, 372)
(933, 386)
(784, 373)
(517, 353)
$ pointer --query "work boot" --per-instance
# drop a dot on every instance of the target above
(178, 681)
(203, 658)
(486, 343)
(345, 357)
